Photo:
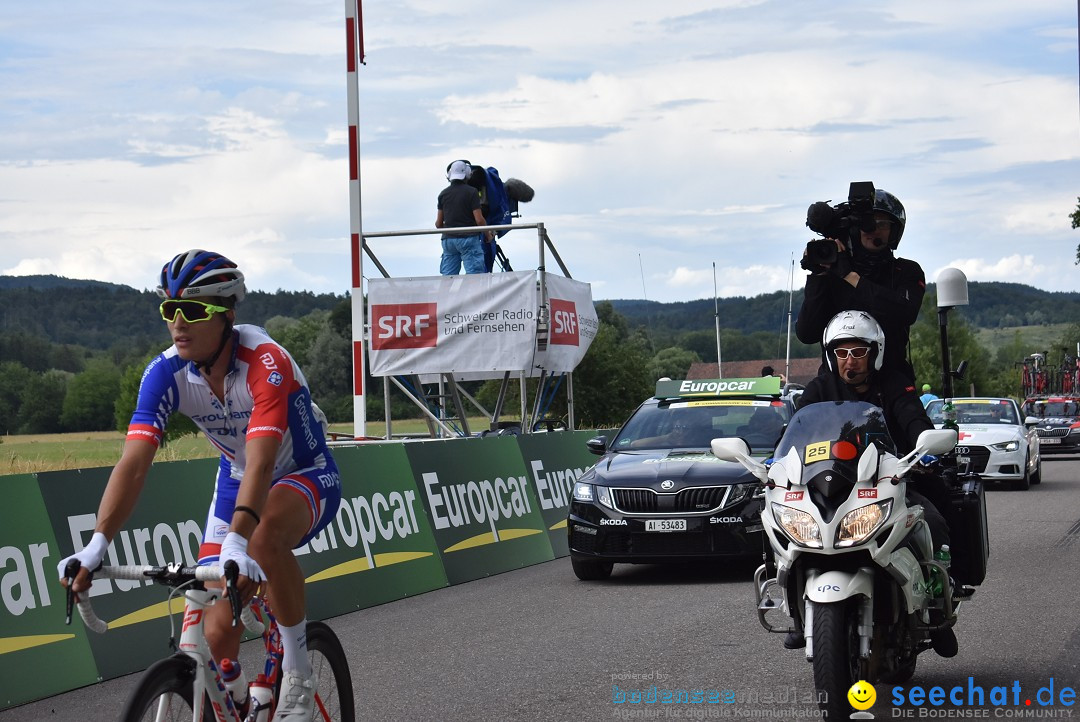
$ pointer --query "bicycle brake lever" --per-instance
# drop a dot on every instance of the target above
(232, 573)
(70, 572)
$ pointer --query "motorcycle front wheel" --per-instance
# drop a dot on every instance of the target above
(836, 656)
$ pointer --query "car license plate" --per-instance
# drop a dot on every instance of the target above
(963, 459)
(665, 525)
(1049, 440)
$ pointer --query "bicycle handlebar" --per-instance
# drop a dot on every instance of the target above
(172, 574)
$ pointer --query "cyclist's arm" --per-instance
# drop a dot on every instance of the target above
(255, 486)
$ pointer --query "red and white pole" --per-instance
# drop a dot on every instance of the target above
(354, 45)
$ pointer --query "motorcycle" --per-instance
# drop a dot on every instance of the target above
(854, 564)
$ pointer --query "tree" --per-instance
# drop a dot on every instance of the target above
(298, 335)
(91, 397)
(14, 378)
(43, 402)
(613, 378)
(672, 362)
(329, 373)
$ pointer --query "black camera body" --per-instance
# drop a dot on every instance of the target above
(837, 222)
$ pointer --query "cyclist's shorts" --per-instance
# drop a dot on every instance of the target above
(319, 489)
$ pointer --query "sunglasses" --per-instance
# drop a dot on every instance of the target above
(192, 311)
(857, 352)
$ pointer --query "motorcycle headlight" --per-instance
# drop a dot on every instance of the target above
(1006, 446)
(859, 525)
(588, 493)
(798, 525)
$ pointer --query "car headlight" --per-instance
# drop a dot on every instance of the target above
(798, 525)
(588, 493)
(741, 492)
(1006, 446)
(859, 525)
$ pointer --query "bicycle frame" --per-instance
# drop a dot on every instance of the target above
(193, 644)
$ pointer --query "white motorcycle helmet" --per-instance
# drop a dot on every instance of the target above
(854, 326)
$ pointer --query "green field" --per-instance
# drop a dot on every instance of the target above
(1034, 338)
(31, 453)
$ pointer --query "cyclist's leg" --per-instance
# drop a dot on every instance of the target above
(298, 507)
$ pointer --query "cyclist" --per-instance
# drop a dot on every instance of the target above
(277, 484)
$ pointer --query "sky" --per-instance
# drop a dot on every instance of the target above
(663, 140)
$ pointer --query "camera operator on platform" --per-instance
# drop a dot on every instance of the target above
(854, 268)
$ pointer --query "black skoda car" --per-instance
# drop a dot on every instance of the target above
(658, 494)
(1056, 419)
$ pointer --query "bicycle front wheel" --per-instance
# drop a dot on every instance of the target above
(334, 697)
(164, 693)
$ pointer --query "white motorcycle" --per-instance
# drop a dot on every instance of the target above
(855, 566)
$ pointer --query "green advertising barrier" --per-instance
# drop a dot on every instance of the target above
(555, 461)
(482, 505)
(414, 517)
(380, 545)
(166, 526)
(32, 632)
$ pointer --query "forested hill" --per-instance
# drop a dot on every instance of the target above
(98, 315)
(992, 305)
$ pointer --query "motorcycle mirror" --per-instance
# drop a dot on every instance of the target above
(736, 449)
(936, 441)
(960, 370)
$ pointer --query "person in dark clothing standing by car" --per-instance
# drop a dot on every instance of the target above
(459, 207)
(865, 275)
(855, 345)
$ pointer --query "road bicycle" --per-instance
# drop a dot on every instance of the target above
(168, 688)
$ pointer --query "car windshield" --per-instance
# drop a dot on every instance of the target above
(976, 411)
(1067, 408)
(686, 424)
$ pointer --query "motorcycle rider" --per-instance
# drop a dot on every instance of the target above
(855, 346)
(865, 276)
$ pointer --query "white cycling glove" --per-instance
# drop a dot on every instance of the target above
(91, 555)
(235, 548)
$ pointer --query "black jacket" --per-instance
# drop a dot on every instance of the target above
(892, 293)
(904, 413)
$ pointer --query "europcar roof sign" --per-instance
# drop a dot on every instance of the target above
(765, 386)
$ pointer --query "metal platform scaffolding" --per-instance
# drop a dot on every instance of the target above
(427, 335)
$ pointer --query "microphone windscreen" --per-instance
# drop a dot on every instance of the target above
(518, 190)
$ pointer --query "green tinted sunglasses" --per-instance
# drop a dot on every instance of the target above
(192, 311)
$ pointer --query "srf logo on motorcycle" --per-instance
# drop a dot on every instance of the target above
(404, 325)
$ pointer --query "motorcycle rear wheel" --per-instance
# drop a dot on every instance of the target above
(836, 656)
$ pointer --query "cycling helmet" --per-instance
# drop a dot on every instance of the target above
(890, 205)
(199, 273)
(854, 326)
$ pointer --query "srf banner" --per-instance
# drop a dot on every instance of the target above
(431, 324)
(571, 327)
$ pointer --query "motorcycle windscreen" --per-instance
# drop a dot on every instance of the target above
(830, 437)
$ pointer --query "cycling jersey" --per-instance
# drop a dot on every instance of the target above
(266, 394)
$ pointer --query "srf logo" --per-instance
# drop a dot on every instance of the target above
(868, 493)
(564, 323)
(404, 325)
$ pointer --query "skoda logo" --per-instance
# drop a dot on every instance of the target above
(667, 484)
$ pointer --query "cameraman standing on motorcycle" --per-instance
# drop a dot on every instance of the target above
(854, 268)
(854, 344)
